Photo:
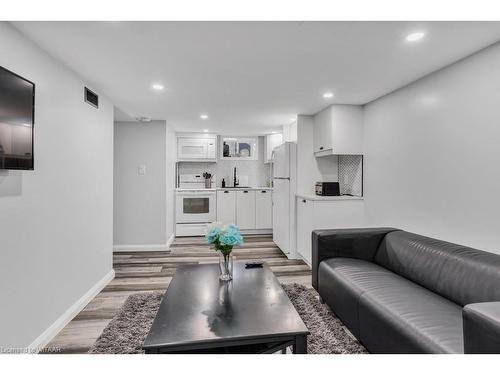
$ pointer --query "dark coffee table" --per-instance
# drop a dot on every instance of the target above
(250, 314)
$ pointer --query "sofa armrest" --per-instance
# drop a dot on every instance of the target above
(482, 327)
(360, 243)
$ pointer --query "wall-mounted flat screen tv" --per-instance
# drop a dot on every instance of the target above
(17, 117)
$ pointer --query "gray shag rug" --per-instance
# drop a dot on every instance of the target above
(128, 329)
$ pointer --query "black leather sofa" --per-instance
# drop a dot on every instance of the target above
(400, 292)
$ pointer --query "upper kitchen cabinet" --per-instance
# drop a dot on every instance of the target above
(270, 142)
(239, 148)
(197, 147)
(338, 130)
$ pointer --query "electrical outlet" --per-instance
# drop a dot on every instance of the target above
(142, 170)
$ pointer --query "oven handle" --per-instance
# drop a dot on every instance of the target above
(194, 193)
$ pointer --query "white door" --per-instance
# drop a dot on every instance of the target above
(245, 209)
(192, 148)
(281, 214)
(226, 206)
(263, 209)
(282, 161)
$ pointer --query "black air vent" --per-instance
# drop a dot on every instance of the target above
(91, 98)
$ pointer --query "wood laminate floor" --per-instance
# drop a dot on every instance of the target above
(148, 271)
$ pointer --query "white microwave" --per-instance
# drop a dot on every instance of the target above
(196, 148)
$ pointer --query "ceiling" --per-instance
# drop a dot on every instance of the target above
(251, 77)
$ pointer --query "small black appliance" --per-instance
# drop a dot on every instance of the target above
(327, 188)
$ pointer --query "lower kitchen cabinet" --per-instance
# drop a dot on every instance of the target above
(245, 209)
(248, 209)
(226, 206)
(263, 209)
(325, 214)
(305, 209)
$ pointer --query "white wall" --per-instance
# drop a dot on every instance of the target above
(140, 201)
(171, 157)
(309, 168)
(432, 154)
(55, 221)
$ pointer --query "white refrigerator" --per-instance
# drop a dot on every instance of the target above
(284, 190)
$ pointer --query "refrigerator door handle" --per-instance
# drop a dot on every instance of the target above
(281, 178)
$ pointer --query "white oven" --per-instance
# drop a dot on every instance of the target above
(195, 206)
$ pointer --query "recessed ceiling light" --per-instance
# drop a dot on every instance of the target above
(158, 86)
(273, 132)
(203, 116)
(205, 130)
(328, 95)
(413, 37)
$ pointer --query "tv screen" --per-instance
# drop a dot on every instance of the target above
(17, 115)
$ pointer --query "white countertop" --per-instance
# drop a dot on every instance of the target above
(226, 188)
(312, 197)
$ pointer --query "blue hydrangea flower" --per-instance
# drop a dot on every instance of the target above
(213, 232)
(231, 236)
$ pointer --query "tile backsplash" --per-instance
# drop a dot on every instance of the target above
(258, 173)
(351, 174)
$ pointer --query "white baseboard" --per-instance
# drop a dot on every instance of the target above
(153, 247)
(147, 247)
(170, 241)
(256, 231)
(41, 341)
(299, 256)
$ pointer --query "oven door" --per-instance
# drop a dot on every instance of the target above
(195, 207)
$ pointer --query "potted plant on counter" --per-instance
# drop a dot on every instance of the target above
(224, 238)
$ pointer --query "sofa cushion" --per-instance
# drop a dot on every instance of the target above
(341, 281)
(461, 274)
(388, 313)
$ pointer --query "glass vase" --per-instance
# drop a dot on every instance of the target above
(225, 266)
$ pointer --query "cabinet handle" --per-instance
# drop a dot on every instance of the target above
(245, 191)
(263, 191)
(303, 200)
(225, 191)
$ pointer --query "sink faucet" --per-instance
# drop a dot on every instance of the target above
(235, 180)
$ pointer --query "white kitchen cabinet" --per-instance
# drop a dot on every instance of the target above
(325, 214)
(251, 210)
(239, 148)
(245, 209)
(270, 142)
(263, 209)
(338, 130)
(304, 227)
(226, 206)
(197, 148)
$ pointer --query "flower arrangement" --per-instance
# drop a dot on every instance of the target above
(224, 238)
